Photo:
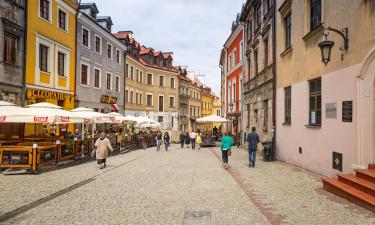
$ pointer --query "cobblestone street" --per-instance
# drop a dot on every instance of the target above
(177, 187)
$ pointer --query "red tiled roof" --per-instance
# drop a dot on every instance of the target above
(121, 35)
(167, 55)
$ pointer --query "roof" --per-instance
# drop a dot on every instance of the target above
(122, 34)
(104, 18)
(89, 5)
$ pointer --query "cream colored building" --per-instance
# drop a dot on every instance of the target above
(325, 113)
(194, 106)
(151, 83)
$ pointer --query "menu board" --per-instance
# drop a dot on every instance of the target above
(347, 111)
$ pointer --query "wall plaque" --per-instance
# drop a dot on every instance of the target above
(347, 111)
(331, 110)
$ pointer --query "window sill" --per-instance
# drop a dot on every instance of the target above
(312, 33)
(313, 126)
(287, 51)
(45, 20)
(63, 77)
(287, 124)
(65, 31)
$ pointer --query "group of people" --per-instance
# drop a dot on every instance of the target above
(160, 138)
(227, 143)
(193, 138)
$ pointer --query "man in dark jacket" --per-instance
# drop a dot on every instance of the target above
(182, 139)
(252, 141)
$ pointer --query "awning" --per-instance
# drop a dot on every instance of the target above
(115, 107)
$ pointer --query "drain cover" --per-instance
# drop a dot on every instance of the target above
(197, 215)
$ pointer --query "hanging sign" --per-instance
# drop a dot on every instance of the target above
(108, 99)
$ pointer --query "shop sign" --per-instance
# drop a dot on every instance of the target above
(40, 119)
(64, 119)
(108, 99)
(47, 94)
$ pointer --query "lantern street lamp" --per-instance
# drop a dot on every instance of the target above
(326, 45)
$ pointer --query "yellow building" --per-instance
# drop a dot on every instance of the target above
(51, 52)
(207, 105)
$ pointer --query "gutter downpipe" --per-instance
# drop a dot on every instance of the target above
(241, 85)
(274, 81)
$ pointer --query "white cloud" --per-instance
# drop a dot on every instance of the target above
(195, 30)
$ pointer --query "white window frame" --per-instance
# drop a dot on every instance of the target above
(119, 83)
(234, 57)
(111, 51)
(100, 78)
(88, 38)
(50, 57)
(152, 79)
(163, 80)
(111, 86)
(88, 74)
(101, 45)
(140, 98)
(66, 51)
(119, 59)
(241, 50)
(50, 12)
(159, 102)
(66, 19)
(152, 99)
(174, 82)
(174, 101)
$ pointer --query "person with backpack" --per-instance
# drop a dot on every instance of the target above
(103, 146)
(252, 141)
(166, 140)
(226, 145)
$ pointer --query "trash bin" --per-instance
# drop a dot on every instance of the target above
(267, 147)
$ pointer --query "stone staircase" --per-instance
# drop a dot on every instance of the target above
(358, 188)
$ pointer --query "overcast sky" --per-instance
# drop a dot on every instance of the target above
(195, 30)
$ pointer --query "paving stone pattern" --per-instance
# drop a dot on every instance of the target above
(181, 186)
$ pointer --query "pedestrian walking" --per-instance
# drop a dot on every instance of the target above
(158, 138)
(103, 146)
(199, 140)
(187, 140)
(166, 140)
(226, 145)
(252, 141)
(182, 139)
(193, 136)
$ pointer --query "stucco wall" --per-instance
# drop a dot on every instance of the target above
(334, 135)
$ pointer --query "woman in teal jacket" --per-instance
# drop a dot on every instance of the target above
(226, 145)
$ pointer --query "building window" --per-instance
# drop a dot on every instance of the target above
(258, 16)
(161, 103)
(10, 48)
(315, 102)
(109, 79)
(172, 83)
(97, 78)
(118, 56)
(84, 74)
(62, 19)
(241, 50)
(288, 105)
(131, 73)
(161, 81)
(137, 75)
(171, 102)
(265, 45)
(256, 62)
(288, 31)
(265, 116)
(61, 64)
(117, 82)
(109, 51)
(149, 79)
(136, 98)
(98, 44)
(131, 97)
(234, 58)
(44, 9)
(140, 99)
(85, 37)
(160, 119)
(126, 70)
(141, 77)
(315, 14)
(149, 100)
(43, 58)
(60, 103)
(126, 96)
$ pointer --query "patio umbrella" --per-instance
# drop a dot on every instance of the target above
(90, 116)
(130, 118)
(212, 119)
(116, 117)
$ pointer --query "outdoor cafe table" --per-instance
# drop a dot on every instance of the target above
(14, 142)
(31, 139)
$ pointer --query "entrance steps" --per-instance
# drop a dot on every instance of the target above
(358, 188)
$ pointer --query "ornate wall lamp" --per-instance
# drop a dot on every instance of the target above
(326, 45)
